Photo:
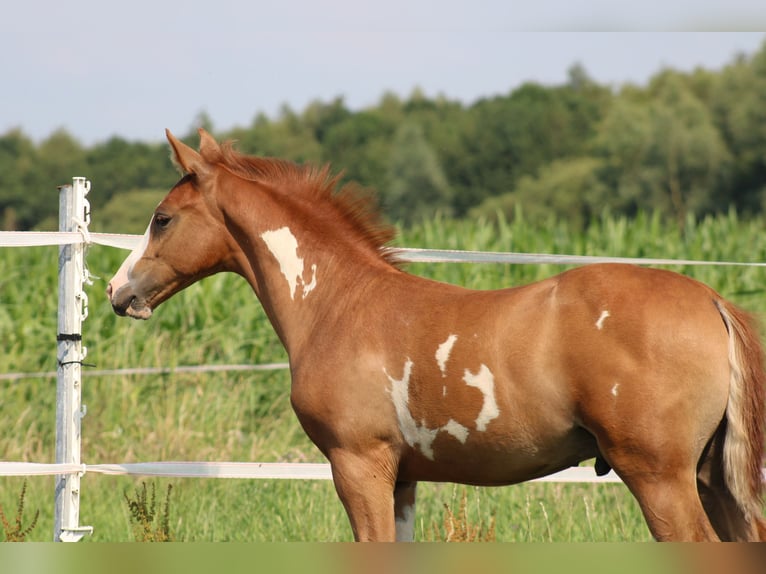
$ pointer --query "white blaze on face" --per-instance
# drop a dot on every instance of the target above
(601, 319)
(443, 352)
(123, 273)
(284, 247)
(484, 380)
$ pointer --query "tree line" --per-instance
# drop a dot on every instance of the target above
(684, 144)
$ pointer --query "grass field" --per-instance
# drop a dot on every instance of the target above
(247, 417)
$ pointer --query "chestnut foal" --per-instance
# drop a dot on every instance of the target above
(399, 379)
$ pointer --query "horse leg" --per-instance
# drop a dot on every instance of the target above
(725, 514)
(365, 486)
(671, 506)
(661, 472)
(666, 489)
(404, 510)
(722, 509)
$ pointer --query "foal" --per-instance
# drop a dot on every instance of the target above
(399, 379)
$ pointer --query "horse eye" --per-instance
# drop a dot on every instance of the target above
(161, 220)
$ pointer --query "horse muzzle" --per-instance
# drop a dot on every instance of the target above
(126, 303)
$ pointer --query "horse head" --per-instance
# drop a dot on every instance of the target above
(185, 241)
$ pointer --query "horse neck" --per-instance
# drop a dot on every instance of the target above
(298, 270)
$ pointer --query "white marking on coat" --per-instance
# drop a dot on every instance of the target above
(123, 273)
(283, 245)
(484, 380)
(443, 352)
(457, 430)
(405, 525)
(310, 287)
(413, 433)
(419, 434)
(601, 319)
(614, 389)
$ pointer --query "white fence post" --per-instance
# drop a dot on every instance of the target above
(74, 215)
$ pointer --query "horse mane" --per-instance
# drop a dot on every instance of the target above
(355, 205)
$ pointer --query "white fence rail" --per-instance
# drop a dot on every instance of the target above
(249, 470)
(72, 238)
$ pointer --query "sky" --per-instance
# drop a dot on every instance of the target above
(98, 68)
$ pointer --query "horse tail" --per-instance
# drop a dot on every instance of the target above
(745, 414)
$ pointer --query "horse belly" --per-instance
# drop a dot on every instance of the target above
(498, 459)
(516, 428)
(482, 405)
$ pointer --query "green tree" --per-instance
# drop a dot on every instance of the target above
(29, 176)
(18, 159)
(60, 157)
(319, 118)
(568, 189)
(288, 137)
(416, 185)
(128, 211)
(514, 136)
(661, 150)
(359, 145)
(444, 123)
(688, 153)
(118, 165)
(738, 103)
(623, 143)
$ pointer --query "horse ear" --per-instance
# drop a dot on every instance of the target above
(184, 157)
(209, 148)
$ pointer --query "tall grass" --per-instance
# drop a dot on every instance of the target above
(247, 417)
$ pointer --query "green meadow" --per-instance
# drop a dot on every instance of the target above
(238, 416)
